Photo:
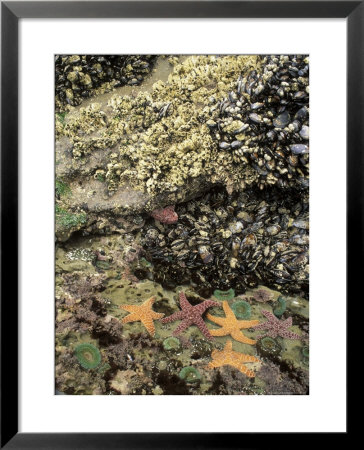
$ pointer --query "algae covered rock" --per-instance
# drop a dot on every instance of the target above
(139, 153)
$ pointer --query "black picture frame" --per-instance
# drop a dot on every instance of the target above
(11, 12)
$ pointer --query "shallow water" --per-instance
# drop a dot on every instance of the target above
(120, 286)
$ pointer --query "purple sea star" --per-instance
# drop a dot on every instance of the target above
(276, 327)
(191, 315)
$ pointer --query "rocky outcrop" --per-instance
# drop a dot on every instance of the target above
(137, 154)
(118, 161)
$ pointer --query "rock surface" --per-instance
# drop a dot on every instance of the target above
(145, 151)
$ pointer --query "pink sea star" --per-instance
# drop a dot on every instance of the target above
(276, 327)
(191, 315)
(165, 215)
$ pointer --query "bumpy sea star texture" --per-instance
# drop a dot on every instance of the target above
(231, 358)
(230, 325)
(276, 327)
(191, 315)
(144, 313)
(165, 215)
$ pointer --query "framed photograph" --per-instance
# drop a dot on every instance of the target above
(181, 190)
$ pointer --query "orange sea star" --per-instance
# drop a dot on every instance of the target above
(228, 357)
(144, 313)
(230, 325)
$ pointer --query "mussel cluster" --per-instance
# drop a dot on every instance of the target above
(264, 122)
(77, 76)
(237, 241)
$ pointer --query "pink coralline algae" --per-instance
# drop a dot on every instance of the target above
(262, 296)
(276, 327)
(165, 215)
(191, 315)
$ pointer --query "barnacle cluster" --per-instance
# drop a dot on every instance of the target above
(160, 139)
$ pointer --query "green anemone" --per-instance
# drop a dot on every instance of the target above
(224, 295)
(171, 344)
(190, 375)
(268, 346)
(279, 310)
(88, 356)
(241, 309)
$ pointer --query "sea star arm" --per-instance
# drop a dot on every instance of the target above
(182, 326)
(289, 334)
(218, 332)
(238, 365)
(270, 316)
(229, 313)
(248, 323)
(228, 346)
(149, 302)
(149, 325)
(201, 308)
(214, 364)
(261, 326)
(247, 358)
(183, 302)
(130, 308)
(287, 323)
(272, 333)
(156, 315)
(216, 319)
(203, 328)
(175, 316)
(239, 336)
(130, 318)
